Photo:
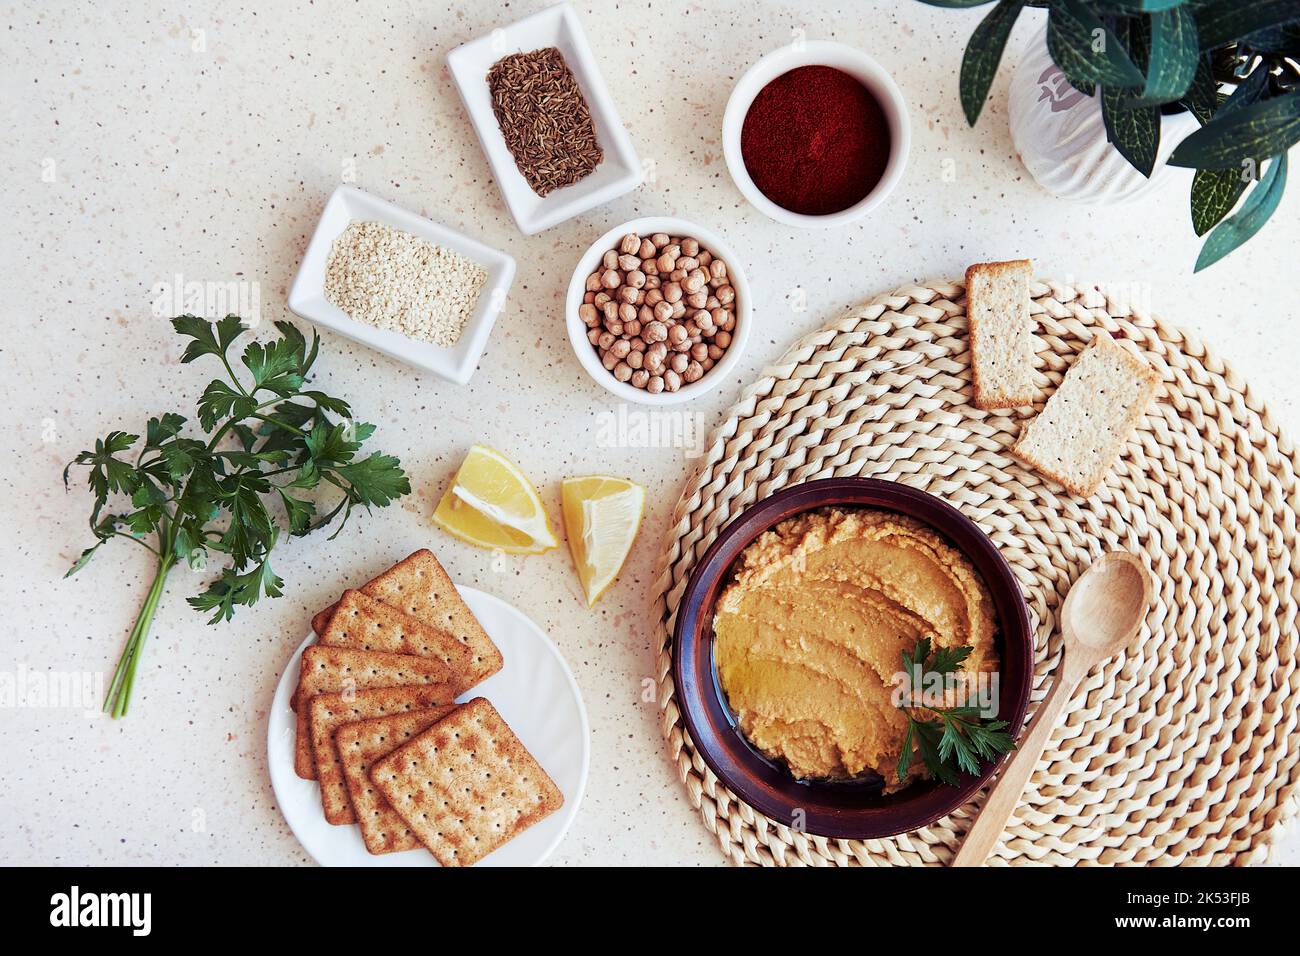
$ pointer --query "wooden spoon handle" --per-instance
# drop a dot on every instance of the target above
(992, 820)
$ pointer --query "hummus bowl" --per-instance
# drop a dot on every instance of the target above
(859, 807)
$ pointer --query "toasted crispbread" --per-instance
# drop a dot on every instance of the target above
(359, 745)
(466, 785)
(333, 670)
(1001, 333)
(328, 712)
(419, 586)
(1084, 426)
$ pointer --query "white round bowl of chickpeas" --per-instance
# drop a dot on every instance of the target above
(658, 310)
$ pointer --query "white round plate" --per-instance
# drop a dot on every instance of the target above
(535, 693)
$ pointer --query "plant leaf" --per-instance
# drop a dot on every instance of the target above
(983, 53)
(1173, 57)
(376, 480)
(1249, 219)
(1086, 49)
(209, 338)
(222, 400)
(1202, 97)
(1134, 131)
(1222, 21)
(904, 755)
(1214, 193)
(299, 513)
(1264, 128)
(84, 559)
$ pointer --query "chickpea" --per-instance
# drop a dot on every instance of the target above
(593, 282)
(699, 351)
(632, 328)
(704, 322)
(629, 244)
(679, 362)
(628, 263)
(726, 295)
(610, 259)
(653, 297)
(622, 371)
(588, 298)
(678, 334)
(627, 294)
(647, 250)
(635, 359)
(655, 385)
(609, 361)
(722, 340)
(610, 279)
(593, 336)
(690, 247)
(708, 363)
(717, 269)
(663, 311)
(610, 310)
(665, 262)
(698, 300)
(621, 348)
(705, 258)
(715, 352)
(644, 315)
(678, 274)
(589, 315)
(605, 341)
(600, 298)
(654, 331)
(695, 281)
(679, 309)
(635, 277)
(638, 344)
(640, 378)
(649, 267)
(613, 327)
(672, 381)
(627, 313)
(661, 239)
(672, 292)
(694, 372)
(653, 282)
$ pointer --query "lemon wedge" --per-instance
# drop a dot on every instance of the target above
(601, 518)
(492, 505)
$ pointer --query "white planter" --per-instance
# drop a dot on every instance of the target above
(1061, 137)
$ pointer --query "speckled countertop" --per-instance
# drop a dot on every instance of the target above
(201, 140)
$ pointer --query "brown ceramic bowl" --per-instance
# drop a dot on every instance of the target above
(853, 809)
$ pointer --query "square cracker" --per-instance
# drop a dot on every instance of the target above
(334, 670)
(466, 785)
(418, 585)
(1084, 426)
(1001, 333)
(363, 622)
(328, 712)
(360, 745)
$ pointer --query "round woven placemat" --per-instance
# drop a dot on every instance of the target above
(1184, 750)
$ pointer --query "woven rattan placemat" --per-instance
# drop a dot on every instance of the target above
(1183, 751)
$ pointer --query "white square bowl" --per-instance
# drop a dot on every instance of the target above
(307, 297)
(619, 172)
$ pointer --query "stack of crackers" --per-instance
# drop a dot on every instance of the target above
(1082, 430)
(379, 730)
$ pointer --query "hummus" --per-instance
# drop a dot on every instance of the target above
(809, 635)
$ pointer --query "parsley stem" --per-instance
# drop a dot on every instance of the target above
(119, 691)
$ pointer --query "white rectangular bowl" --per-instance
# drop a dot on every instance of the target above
(307, 297)
(619, 172)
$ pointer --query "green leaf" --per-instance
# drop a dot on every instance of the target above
(330, 404)
(1222, 21)
(222, 400)
(209, 338)
(84, 559)
(1214, 193)
(160, 429)
(376, 480)
(1173, 57)
(1134, 131)
(904, 755)
(948, 660)
(250, 529)
(983, 53)
(1086, 49)
(233, 589)
(299, 513)
(1264, 128)
(1249, 219)
(277, 366)
(1202, 98)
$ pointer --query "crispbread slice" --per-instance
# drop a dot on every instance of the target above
(333, 670)
(1084, 426)
(466, 785)
(1001, 333)
(367, 623)
(419, 586)
(361, 744)
(328, 712)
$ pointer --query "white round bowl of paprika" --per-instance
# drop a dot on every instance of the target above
(816, 134)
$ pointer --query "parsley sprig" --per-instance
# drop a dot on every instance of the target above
(949, 739)
(269, 441)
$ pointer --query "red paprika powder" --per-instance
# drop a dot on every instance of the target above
(815, 141)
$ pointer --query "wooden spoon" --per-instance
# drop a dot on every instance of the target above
(1101, 616)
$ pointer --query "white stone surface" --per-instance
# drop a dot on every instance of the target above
(202, 139)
